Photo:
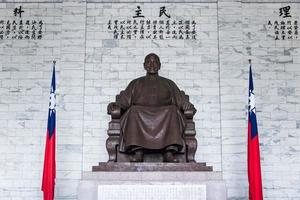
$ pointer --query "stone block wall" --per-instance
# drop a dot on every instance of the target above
(25, 73)
(276, 65)
(92, 67)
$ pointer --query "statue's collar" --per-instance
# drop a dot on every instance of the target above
(152, 77)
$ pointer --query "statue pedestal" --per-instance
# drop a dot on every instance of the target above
(145, 185)
(150, 166)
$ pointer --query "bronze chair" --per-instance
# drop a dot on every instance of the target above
(114, 132)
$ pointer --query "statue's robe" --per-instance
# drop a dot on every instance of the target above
(153, 117)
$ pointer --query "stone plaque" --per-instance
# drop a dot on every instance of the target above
(152, 191)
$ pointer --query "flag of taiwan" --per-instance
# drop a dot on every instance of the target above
(49, 158)
(254, 171)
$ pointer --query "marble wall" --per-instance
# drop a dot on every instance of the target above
(92, 67)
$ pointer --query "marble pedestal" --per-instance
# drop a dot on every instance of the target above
(203, 185)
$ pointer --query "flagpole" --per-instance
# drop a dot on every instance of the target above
(253, 153)
(49, 171)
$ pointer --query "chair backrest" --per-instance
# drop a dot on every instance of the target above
(118, 96)
(186, 97)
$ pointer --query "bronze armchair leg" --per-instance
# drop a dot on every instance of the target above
(111, 147)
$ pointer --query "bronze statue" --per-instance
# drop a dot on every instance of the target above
(153, 117)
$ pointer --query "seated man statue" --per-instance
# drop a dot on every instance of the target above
(153, 117)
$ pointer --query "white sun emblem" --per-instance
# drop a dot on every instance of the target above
(252, 102)
(52, 103)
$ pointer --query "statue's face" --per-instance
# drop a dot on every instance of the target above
(152, 65)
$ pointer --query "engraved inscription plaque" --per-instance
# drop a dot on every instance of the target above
(152, 191)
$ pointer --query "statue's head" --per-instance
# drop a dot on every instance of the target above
(152, 63)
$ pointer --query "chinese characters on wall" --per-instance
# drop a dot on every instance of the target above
(285, 28)
(163, 28)
(21, 29)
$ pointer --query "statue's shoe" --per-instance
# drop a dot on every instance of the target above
(169, 157)
(138, 156)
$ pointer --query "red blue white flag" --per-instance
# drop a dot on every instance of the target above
(254, 170)
(49, 158)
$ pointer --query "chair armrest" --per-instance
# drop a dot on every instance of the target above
(115, 112)
(189, 114)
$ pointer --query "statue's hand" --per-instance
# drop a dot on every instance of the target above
(112, 107)
(187, 106)
(188, 109)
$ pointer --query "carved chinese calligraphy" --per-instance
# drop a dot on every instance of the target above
(285, 28)
(152, 29)
(160, 28)
(20, 28)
